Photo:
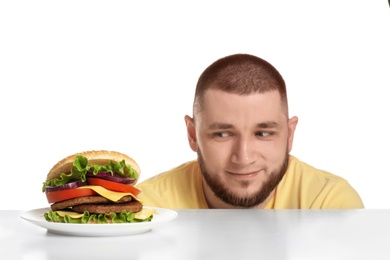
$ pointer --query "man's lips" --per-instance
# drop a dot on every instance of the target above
(247, 174)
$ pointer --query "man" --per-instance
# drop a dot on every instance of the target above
(242, 134)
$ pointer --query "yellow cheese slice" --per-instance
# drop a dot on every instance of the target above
(145, 213)
(142, 215)
(108, 194)
(71, 214)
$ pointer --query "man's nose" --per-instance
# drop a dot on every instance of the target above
(244, 151)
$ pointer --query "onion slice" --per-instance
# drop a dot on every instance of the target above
(108, 176)
(67, 186)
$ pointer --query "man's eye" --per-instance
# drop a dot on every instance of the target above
(221, 134)
(263, 134)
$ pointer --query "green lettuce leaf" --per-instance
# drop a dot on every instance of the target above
(88, 218)
(81, 167)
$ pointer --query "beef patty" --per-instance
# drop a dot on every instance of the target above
(133, 206)
(88, 200)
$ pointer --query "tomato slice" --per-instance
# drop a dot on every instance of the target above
(114, 186)
(56, 196)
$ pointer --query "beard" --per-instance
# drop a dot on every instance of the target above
(223, 192)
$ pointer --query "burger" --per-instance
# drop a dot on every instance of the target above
(95, 187)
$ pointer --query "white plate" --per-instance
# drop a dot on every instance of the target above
(120, 229)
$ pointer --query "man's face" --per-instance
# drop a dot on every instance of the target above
(242, 144)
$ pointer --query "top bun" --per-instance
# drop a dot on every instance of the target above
(100, 157)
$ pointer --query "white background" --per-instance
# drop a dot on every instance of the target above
(120, 75)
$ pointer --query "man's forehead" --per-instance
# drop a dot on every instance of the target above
(226, 107)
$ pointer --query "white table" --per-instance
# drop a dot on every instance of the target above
(216, 234)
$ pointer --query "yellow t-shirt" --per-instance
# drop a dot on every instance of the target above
(302, 187)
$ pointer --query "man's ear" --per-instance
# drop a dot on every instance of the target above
(191, 133)
(292, 124)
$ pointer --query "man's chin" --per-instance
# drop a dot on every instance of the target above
(243, 193)
(239, 197)
(243, 189)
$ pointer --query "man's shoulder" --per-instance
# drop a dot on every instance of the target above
(180, 187)
(183, 171)
(317, 188)
(302, 169)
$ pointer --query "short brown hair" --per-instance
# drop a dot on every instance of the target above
(240, 74)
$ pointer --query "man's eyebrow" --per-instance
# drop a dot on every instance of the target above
(219, 126)
(269, 124)
(224, 126)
